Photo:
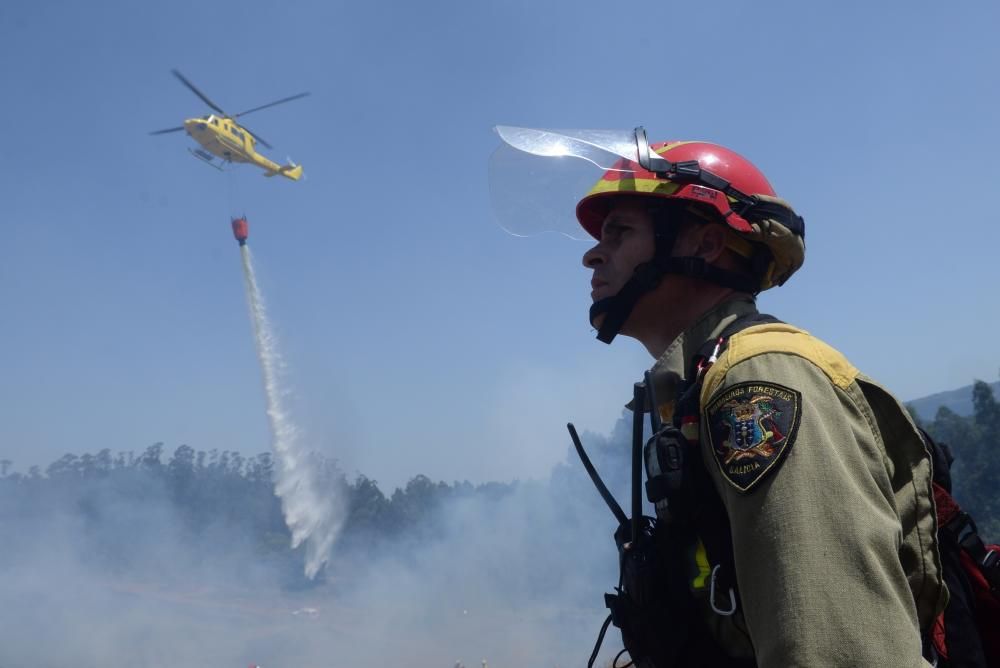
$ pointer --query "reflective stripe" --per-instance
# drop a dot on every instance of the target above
(629, 184)
(704, 569)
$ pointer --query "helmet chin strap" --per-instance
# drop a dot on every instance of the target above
(617, 308)
(647, 277)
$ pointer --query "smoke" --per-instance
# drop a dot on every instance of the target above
(125, 570)
(313, 519)
(132, 562)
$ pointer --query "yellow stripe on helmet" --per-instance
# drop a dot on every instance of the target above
(648, 186)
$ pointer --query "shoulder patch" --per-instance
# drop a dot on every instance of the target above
(751, 428)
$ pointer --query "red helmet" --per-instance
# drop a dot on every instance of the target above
(711, 176)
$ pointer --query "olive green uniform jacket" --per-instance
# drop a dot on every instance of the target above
(835, 545)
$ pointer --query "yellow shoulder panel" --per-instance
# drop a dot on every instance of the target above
(778, 338)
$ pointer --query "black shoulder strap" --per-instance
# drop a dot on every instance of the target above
(688, 402)
(735, 327)
(708, 514)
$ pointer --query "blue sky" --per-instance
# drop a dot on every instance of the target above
(419, 337)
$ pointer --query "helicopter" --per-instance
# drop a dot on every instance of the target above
(223, 138)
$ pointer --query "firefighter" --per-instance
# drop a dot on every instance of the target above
(798, 528)
(824, 480)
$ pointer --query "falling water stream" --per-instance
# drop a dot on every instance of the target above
(311, 514)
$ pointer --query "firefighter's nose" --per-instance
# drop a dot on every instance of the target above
(594, 257)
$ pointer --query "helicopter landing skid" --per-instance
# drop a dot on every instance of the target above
(206, 158)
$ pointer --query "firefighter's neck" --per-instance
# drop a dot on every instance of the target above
(662, 315)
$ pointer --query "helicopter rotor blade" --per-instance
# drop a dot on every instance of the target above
(260, 140)
(272, 104)
(204, 98)
(163, 132)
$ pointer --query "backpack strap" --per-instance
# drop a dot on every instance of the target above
(958, 526)
(965, 632)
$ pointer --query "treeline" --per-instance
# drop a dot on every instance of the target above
(122, 501)
(975, 444)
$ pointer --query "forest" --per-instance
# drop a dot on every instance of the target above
(112, 498)
(973, 441)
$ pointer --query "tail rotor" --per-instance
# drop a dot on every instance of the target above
(294, 165)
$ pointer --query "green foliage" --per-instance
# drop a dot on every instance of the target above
(223, 496)
(214, 494)
(975, 442)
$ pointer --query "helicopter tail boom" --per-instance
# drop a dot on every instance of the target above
(292, 171)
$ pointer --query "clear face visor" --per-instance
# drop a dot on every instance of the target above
(537, 177)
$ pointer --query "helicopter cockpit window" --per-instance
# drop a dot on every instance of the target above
(215, 121)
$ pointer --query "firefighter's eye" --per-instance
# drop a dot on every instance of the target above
(613, 230)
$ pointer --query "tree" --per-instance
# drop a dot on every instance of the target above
(987, 411)
(150, 459)
(260, 468)
(67, 466)
(958, 433)
(367, 506)
(181, 470)
(103, 462)
(976, 471)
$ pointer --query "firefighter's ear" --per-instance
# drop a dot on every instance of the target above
(711, 242)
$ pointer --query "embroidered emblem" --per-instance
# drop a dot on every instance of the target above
(751, 428)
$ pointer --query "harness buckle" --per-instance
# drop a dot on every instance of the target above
(711, 596)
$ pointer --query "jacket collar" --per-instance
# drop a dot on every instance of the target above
(672, 368)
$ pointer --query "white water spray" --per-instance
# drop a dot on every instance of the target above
(314, 518)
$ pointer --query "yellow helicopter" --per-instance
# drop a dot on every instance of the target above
(222, 137)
